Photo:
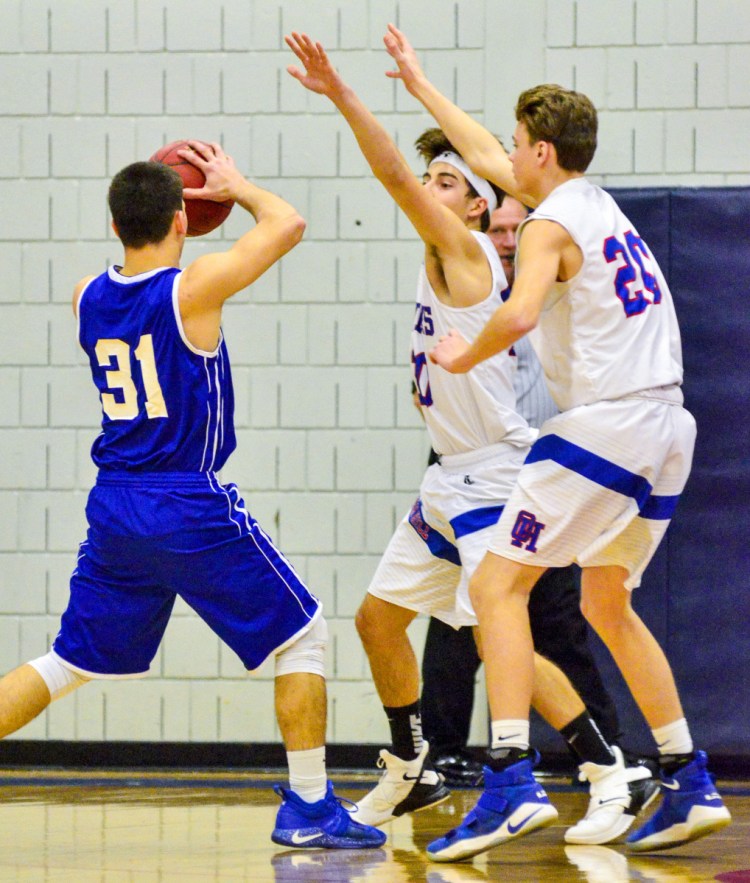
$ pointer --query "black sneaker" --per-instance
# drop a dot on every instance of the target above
(642, 792)
(460, 769)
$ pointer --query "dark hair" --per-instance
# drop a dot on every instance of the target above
(143, 198)
(565, 119)
(431, 143)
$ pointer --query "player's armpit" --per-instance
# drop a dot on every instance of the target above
(78, 291)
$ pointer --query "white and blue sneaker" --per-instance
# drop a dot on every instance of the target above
(512, 804)
(691, 808)
(326, 824)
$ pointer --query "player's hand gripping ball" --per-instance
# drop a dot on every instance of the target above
(204, 215)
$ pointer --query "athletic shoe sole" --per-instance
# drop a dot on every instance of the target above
(322, 840)
(532, 817)
(701, 821)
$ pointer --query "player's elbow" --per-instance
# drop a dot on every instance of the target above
(521, 322)
(288, 231)
(527, 322)
(295, 229)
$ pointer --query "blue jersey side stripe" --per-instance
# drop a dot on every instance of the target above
(604, 473)
(659, 508)
(476, 519)
(439, 545)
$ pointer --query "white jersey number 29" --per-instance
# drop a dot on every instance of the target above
(635, 285)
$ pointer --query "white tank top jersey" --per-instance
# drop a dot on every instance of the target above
(465, 412)
(611, 330)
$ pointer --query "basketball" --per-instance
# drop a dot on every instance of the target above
(204, 215)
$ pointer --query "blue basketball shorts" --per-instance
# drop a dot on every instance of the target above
(153, 536)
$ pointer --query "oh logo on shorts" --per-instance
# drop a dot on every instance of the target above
(526, 531)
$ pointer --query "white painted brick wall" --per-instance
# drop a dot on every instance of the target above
(10, 637)
(331, 450)
(10, 398)
(25, 592)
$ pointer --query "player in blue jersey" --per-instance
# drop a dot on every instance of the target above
(161, 522)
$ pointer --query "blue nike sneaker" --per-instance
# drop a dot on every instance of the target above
(691, 808)
(326, 824)
(512, 804)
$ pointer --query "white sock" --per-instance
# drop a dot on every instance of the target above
(674, 738)
(510, 734)
(307, 773)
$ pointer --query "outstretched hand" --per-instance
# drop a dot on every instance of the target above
(319, 75)
(402, 52)
(222, 176)
(449, 348)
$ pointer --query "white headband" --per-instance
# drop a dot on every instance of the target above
(479, 184)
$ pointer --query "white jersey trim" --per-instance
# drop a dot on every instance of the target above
(180, 327)
(78, 310)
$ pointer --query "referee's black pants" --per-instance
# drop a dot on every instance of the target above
(560, 633)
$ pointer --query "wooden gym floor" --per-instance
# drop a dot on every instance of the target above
(203, 826)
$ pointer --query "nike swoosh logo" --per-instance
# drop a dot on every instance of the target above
(514, 829)
(412, 778)
(609, 800)
(506, 738)
(671, 786)
(298, 838)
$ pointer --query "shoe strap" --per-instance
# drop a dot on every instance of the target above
(493, 802)
(347, 805)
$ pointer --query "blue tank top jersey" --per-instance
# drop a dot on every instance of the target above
(166, 406)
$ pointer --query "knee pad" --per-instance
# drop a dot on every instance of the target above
(307, 653)
(60, 679)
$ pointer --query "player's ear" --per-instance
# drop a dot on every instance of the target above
(545, 151)
(114, 229)
(180, 222)
(478, 207)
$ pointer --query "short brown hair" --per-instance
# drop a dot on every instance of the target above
(430, 144)
(565, 119)
(143, 198)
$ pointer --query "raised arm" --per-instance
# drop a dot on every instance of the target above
(480, 149)
(541, 251)
(212, 278)
(438, 227)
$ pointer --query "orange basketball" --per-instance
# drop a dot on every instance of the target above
(204, 215)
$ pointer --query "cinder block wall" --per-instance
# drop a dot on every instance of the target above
(330, 449)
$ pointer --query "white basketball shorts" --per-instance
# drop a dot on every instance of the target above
(599, 486)
(439, 543)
